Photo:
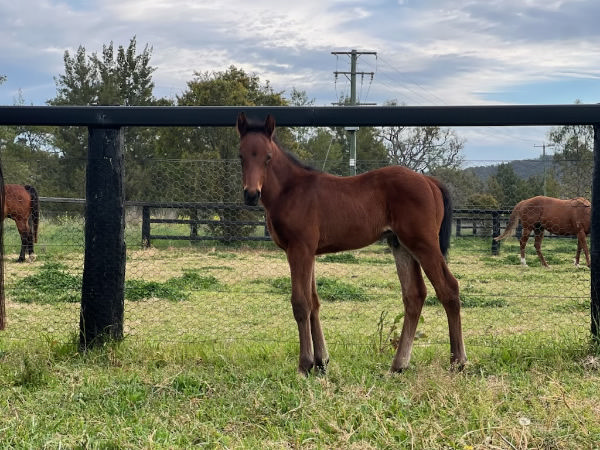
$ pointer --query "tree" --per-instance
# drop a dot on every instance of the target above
(574, 157)
(124, 78)
(24, 157)
(106, 80)
(422, 149)
(462, 184)
(509, 189)
(214, 151)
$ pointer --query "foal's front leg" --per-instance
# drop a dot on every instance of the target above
(301, 263)
(320, 349)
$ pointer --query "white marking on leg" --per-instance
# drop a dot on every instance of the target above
(523, 263)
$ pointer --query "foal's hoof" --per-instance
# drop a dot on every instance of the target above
(400, 368)
(457, 367)
(321, 368)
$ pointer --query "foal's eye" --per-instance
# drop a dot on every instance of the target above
(268, 160)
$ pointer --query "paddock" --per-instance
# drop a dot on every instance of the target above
(197, 358)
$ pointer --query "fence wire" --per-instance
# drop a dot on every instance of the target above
(200, 269)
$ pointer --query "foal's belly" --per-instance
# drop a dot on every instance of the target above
(346, 241)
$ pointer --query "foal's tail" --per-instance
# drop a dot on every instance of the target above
(35, 210)
(446, 226)
(513, 221)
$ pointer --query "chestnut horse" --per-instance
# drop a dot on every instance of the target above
(22, 204)
(562, 217)
(310, 212)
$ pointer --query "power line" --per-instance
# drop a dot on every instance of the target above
(428, 97)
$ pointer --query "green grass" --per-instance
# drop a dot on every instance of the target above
(210, 355)
(54, 284)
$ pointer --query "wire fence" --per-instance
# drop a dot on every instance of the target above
(210, 274)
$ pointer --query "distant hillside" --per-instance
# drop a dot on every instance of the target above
(523, 168)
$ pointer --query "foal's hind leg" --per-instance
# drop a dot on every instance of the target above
(413, 297)
(26, 235)
(539, 237)
(30, 239)
(446, 289)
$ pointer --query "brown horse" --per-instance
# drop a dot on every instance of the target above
(22, 204)
(310, 213)
(562, 217)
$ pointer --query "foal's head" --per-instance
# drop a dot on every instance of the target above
(256, 150)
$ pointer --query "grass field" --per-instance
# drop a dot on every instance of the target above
(210, 354)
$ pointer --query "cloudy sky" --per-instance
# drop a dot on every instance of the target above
(434, 52)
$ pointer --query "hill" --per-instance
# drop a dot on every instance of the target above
(523, 168)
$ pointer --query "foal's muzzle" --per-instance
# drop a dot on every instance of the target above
(251, 198)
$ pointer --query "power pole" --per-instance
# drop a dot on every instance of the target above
(543, 146)
(353, 73)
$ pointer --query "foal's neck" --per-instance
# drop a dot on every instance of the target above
(283, 171)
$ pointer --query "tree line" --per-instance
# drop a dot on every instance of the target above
(197, 163)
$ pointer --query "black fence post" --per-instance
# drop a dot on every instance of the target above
(495, 232)
(595, 240)
(145, 226)
(102, 295)
(193, 225)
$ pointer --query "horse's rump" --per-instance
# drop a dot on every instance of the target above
(35, 210)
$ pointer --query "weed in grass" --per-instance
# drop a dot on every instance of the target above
(190, 384)
(194, 281)
(227, 268)
(345, 258)
(224, 255)
(391, 338)
(471, 301)
(281, 285)
(136, 290)
(51, 284)
(173, 289)
(32, 374)
(329, 289)
(332, 289)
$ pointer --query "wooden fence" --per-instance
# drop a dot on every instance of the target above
(476, 222)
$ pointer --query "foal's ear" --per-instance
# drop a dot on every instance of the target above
(270, 126)
(242, 124)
